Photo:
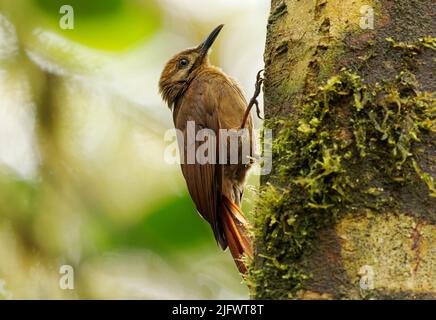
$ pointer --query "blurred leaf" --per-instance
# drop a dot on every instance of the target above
(109, 25)
(17, 199)
(175, 226)
(84, 8)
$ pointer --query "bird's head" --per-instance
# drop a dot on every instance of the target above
(182, 67)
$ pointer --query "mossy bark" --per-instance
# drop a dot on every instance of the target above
(349, 210)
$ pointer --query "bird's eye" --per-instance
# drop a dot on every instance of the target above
(183, 63)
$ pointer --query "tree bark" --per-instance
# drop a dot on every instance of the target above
(349, 210)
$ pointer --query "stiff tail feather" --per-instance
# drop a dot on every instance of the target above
(235, 229)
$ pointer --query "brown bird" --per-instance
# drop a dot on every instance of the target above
(197, 91)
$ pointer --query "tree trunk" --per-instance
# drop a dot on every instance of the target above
(349, 210)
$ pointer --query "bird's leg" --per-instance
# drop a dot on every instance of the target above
(253, 100)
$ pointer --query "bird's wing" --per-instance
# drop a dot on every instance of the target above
(232, 105)
(212, 102)
(200, 104)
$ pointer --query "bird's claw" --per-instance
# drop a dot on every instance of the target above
(253, 100)
(258, 76)
(258, 110)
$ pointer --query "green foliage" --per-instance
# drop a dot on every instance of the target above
(82, 7)
(414, 48)
(108, 25)
(171, 228)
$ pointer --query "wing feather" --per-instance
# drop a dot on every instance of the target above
(203, 180)
(212, 101)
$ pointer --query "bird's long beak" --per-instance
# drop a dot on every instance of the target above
(207, 43)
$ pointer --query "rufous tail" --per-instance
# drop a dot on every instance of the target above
(235, 228)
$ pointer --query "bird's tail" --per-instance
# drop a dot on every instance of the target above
(235, 229)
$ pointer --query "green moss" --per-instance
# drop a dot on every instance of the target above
(411, 49)
(414, 48)
(426, 177)
(349, 146)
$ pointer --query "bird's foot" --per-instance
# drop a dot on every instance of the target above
(253, 100)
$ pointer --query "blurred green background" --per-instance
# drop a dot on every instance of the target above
(82, 176)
